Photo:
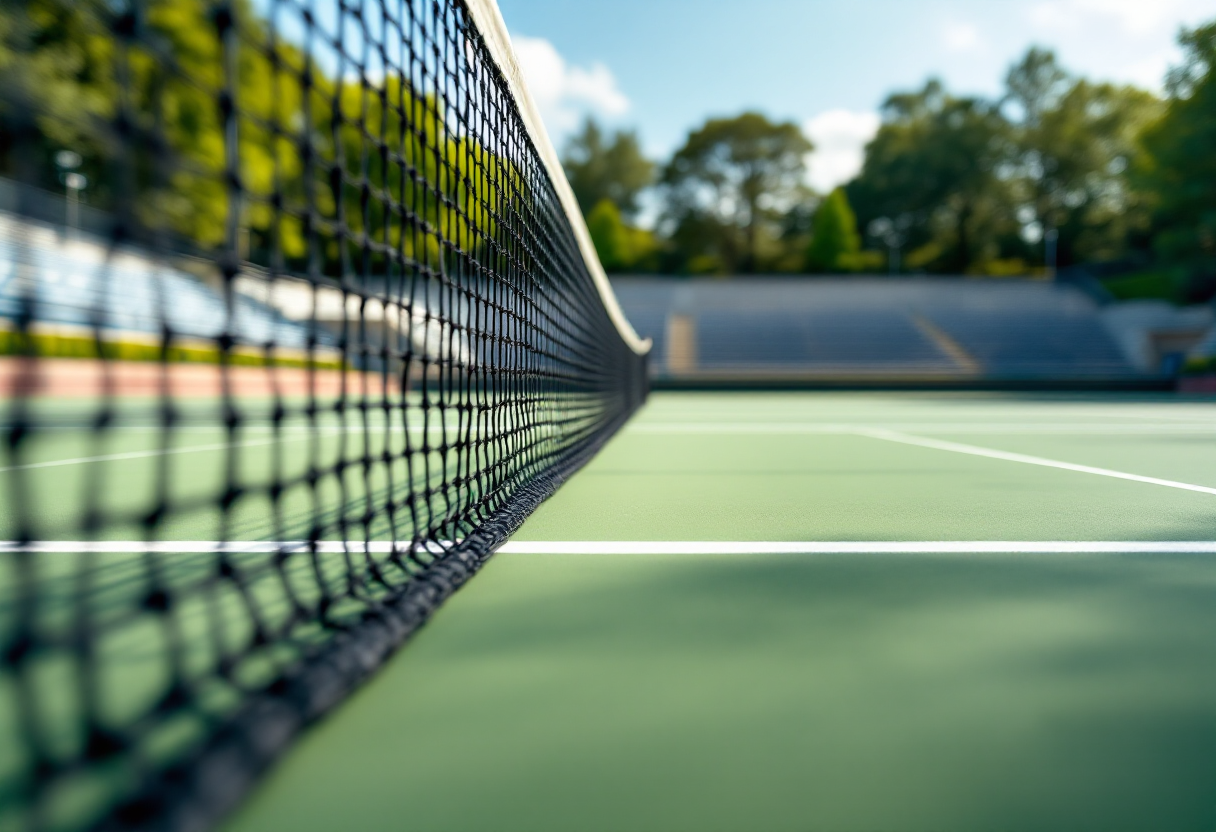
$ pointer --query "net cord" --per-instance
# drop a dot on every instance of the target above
(493, 29)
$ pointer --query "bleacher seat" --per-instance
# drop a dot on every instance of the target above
(1000, 329)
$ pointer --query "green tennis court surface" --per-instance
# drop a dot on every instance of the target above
(871, 689)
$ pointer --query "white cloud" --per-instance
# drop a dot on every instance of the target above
(1133, 17)
(840, 137)
(1149, 73)
(959, 36)
(1133, 41)
(564, 93)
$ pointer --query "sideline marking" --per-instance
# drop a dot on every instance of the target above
(992, 453)
(818, 547)
(640, 547)
(298, 435)
(846, 428)
(82, 460)
(194, 547)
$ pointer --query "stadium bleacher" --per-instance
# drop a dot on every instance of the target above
(783, 328)
(841, 339)
(906, 328)
(76, 276)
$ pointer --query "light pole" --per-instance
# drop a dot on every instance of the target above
(891, 232)
(73, 182)
(1049, 254)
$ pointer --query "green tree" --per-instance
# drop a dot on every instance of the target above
(699, 243)
(1074, 141)
(382, 167)
(1179, 170)
(835, 242)
(1036, 84)
(60, 70)
(621, 247)
(602, 168)
(736, 177)
(934, 169)
(609, 234)
(608, 176)
(451, 186)
(56, 67)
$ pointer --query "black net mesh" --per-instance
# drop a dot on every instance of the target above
(294, 332)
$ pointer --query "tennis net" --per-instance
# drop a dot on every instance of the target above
(298, 322)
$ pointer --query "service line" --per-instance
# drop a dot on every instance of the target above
(992, 453)
(638, 547)
(955, 428)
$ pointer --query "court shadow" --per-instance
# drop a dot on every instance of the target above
(829, 692)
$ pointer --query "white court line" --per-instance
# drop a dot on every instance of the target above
(821, 547)
(180, 547)
(81, 460)
(992, 453)
(751, 415)
(646, 547)
(217, 446)
(844, 428)
(777, 427)
(257, 428)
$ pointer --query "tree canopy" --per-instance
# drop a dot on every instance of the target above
(835, 242)
(735, 177)
(600, 168)
(935, 164)
(621, 247)
(960, 184)
(950, 183)
(1074, 142)
(1179, 167)
(312, 155)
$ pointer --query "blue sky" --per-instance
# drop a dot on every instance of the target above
(663, 66)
